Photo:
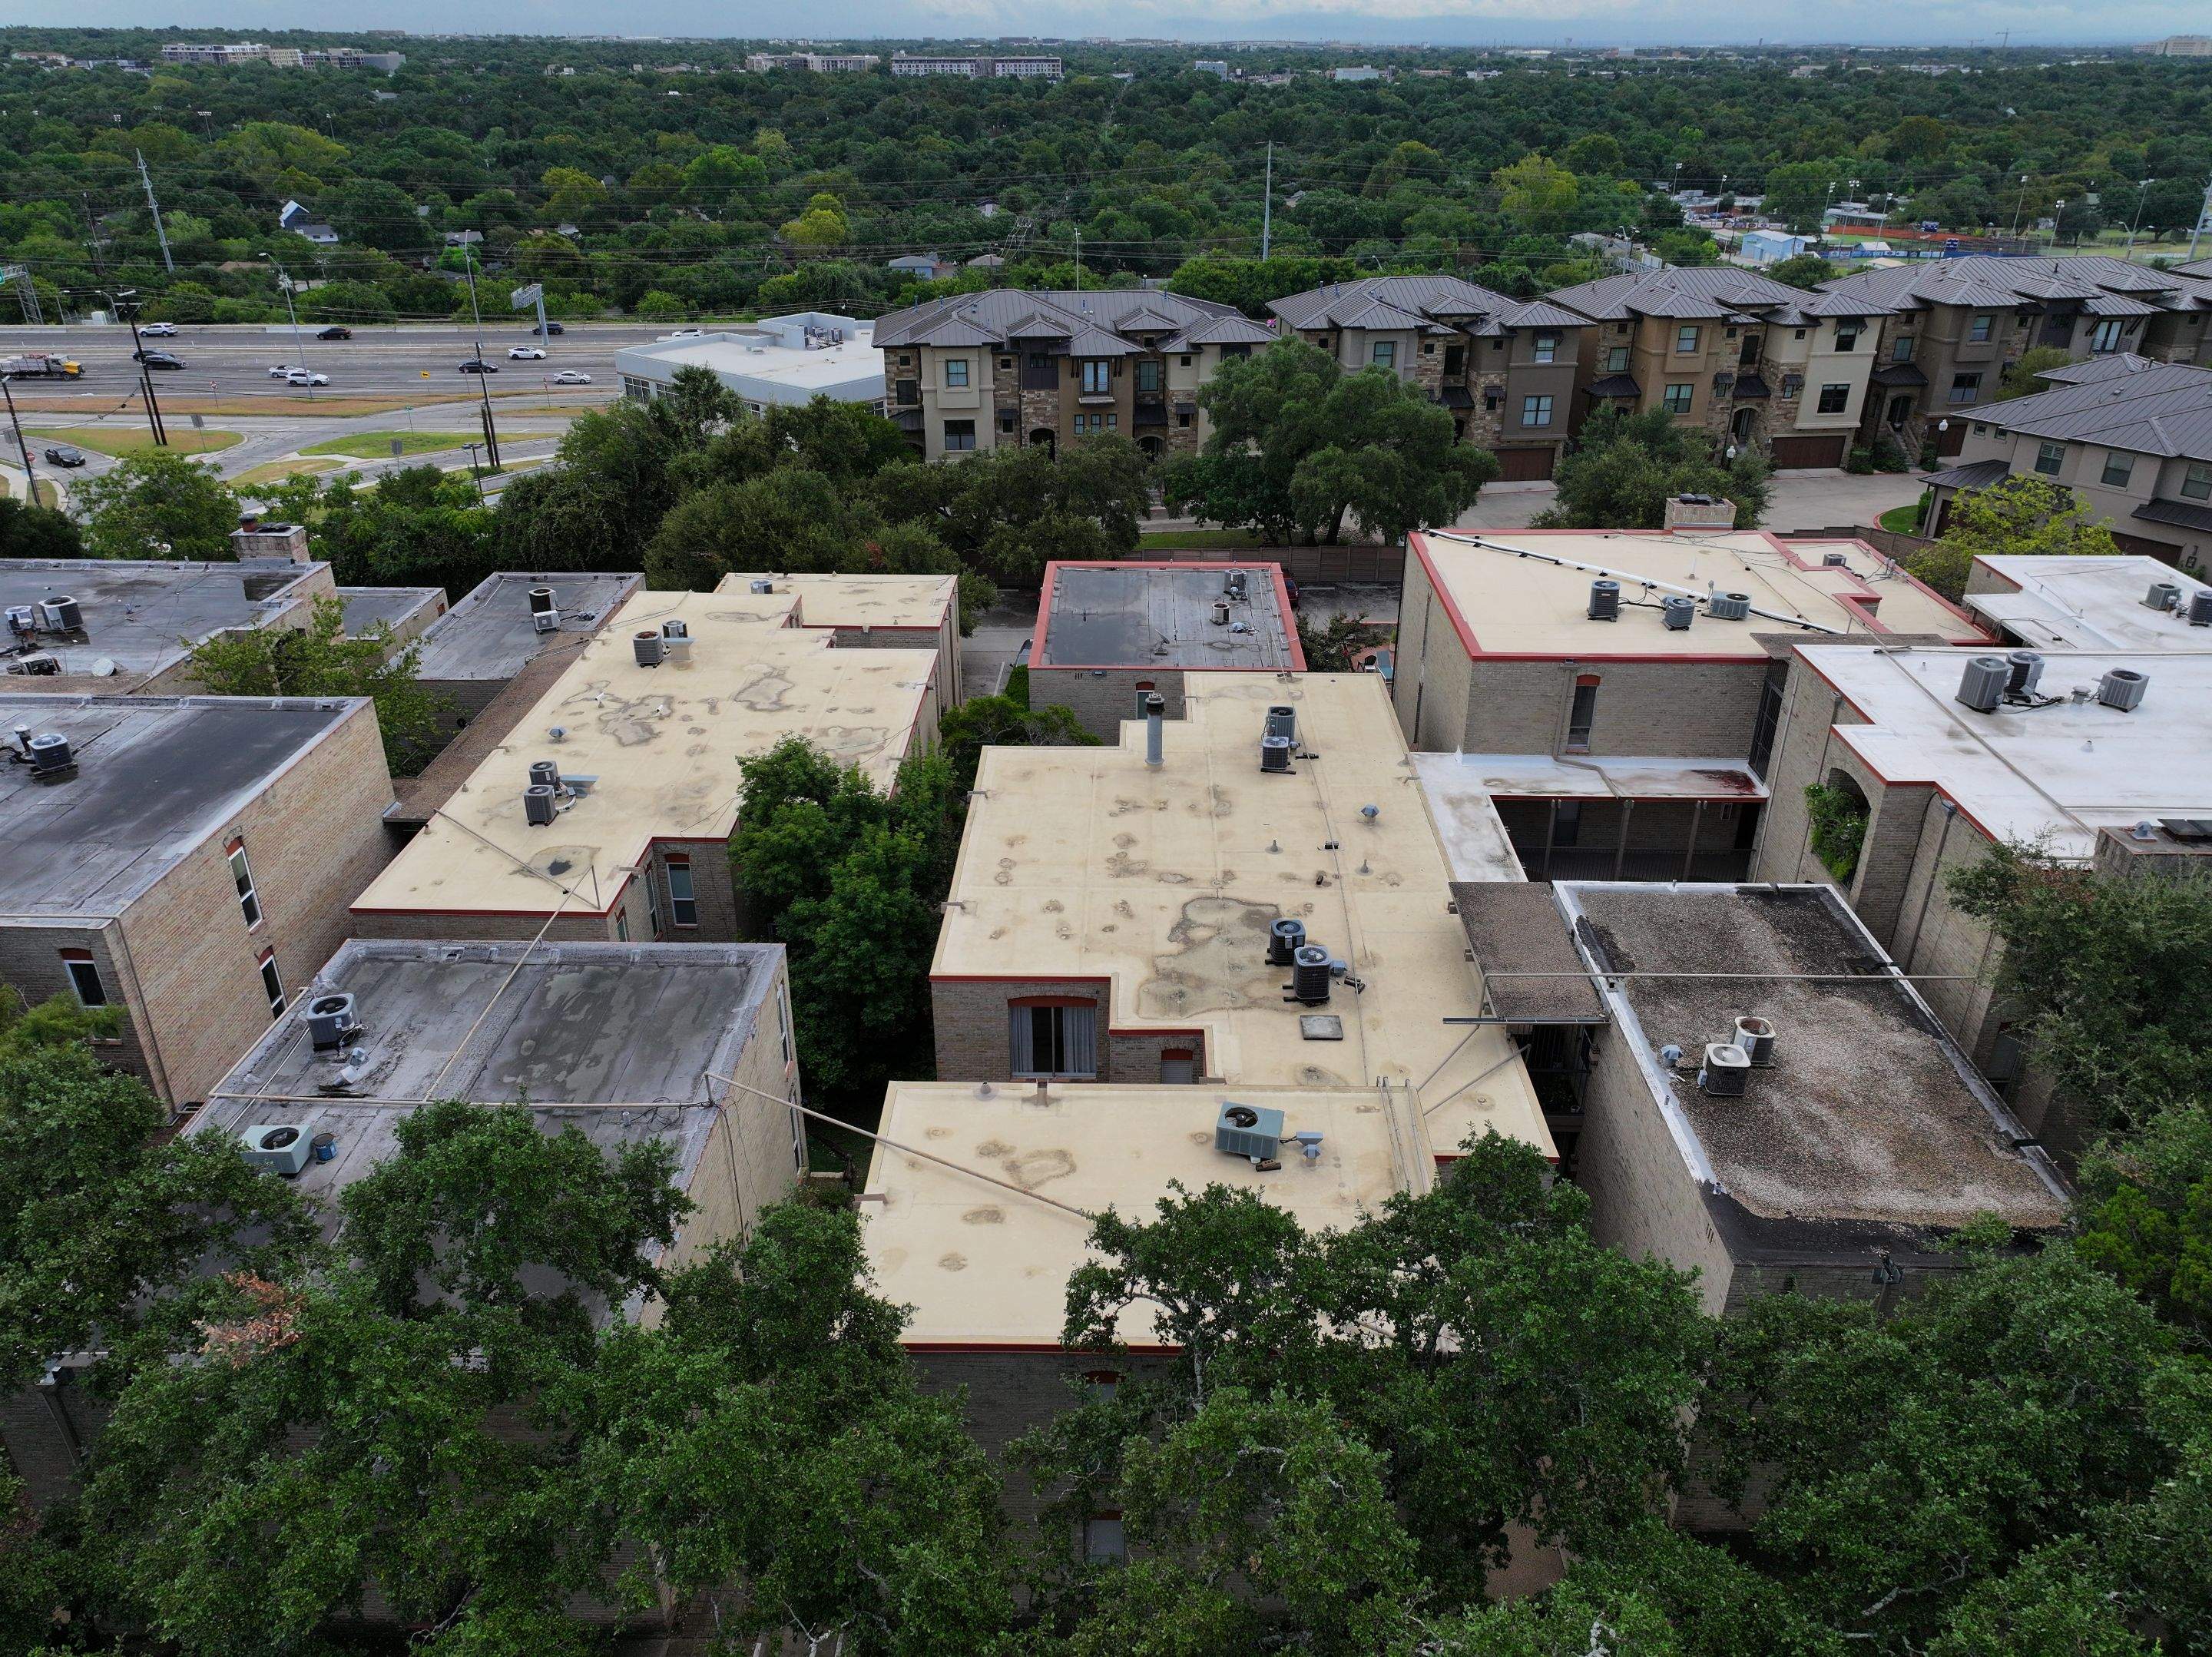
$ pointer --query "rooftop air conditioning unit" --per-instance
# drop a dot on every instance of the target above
(544, 614)
(330, 1021)
(2163, 595)
(63, 614)
(282, 1147)
(2123, 688)
(1729, 606)
(1982, 685)
(1726, 1069)
(1676, 613)
(2200, 607)
(1604, 600)
(1253, 1130)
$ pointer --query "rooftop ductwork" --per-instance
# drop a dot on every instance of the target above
(1156, 708)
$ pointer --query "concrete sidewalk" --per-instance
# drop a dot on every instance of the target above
(1801, 501)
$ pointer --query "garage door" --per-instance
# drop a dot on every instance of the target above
(1523, 466)
(1823, 451)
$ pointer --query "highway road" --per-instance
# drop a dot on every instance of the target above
(234, 361)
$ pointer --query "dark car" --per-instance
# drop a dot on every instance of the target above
(62, 454)
(551, 328)
(1291, 591)
(159, 360)
(335, 332)
(478, 365)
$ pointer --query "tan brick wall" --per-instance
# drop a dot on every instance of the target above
(314, 838)
(1432, 686)
(970, 1018)
(1102, 700)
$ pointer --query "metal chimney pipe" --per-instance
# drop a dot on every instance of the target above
(1155, 707)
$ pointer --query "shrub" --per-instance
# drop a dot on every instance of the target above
(1839, 827)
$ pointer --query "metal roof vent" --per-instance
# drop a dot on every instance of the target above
(330, 1021)
(2123, 688)
(2026, 667)
(1756, 1036)
(1729, 606)
(648, 644)
(544, 614)
(1982, 686)
(1604, 600)
(1310, 975)
(1309, 1141)
(1726, 1069)
(538, 809)
(1248, 1130)
(2163, 595)
(1677, 611)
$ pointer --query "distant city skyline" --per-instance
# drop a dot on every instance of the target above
(1373, 22)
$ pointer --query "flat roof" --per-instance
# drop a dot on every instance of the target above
(1870, 1115)
(759, 365)
(489, 635)
(145, 616)
(664, 744)
(2088, 603)
(981, 1265)
(1476, 844)
(1083, 863)
(1161, 615)
(1530, 966)
(1525, 594)
(820, 600)
(1602, 777)
(2056, 773)
(156, 775)
(365, 606)
(499, 1023)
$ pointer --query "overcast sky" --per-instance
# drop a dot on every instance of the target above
(2032, 22)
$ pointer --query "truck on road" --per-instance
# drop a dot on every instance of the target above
(42, 365)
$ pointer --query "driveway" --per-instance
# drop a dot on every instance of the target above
(1802, 501)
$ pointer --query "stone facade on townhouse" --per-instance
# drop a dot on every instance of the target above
(1506, 367)
(1008, 367)
(1732, 353)
(1950, 328)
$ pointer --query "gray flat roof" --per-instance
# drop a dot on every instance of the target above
(365, 606)
(143, 617)
(1870, 1114)
(488, 634)
(1161, 615)
(155, 776)
(1514, 928)
(568, 1023)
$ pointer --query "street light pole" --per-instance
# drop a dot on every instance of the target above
(483, 390)
(2141, 195)
(284, 281)
(126, 301)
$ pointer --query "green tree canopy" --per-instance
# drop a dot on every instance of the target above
(2022, 515)
(37, 532)
(158, 504)
(1625, 467)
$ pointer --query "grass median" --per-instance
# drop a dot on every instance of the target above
(119, 441)
(377, 445)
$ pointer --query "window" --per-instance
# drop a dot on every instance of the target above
(1983, 327)
(1834, 400)
(1535, 410)
(683, 898)
(249, 900)
(1493, 401)
(1098, 377)
(1428, 348)
(1792, 384)
(1581, 716)
(2049, 457)
(1148, 374)
(1184, 361)
(1006, 421)
(2196, 483)
(1498, 344)
(1386, 353)
(1686, 341)
(906, 359)
(959, 435)
(1182, 419)
(1847, 336)
(1547, 347)
(272, 984)
(1007, 363)
(622, 925)
(1104, 1540)
(1053, 1039)
(84, 978)
(2118, 468)
(1454, 360)
(1676, 397)
(1965, 387)
(955, 373)
(652, 907)
(1616, 359)
(1900, 349)
(1798, 334)
(783, 1006)
(1103, 1384)
(2106, 336)
(907, 393)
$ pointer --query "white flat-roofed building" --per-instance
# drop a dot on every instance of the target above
(779, 361)
(2090, 603)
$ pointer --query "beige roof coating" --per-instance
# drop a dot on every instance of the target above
(1083, 863)
(816, 601)
(1526, 592)
(982, 1265)
(664, 744)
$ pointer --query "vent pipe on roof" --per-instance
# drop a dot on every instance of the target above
(1155, 707)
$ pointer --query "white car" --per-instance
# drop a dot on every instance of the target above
(524, 354)
(282, 371)
(572, 377)
(158, 330)
(686, 333)
(304, 377)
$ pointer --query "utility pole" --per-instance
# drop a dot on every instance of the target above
(2020, 206)
(2203, 225)
(125, 300)
(484, 390)
(1267, 204)
(27, 292)
(30, 478)
(161, 232)
(2136, 222)
(284, 281)
(92, 228)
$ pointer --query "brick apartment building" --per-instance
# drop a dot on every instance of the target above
(1730, 352)
(1008, 367)
(188, 862)
(1951, 327)
(1508, 369)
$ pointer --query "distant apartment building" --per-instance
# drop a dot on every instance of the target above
(1219, 68)
(218, 56)
(1507, 368)
(1357, 72)
(2178, 45)
(2129, 440)
(187, 861)
(1614, 694)
(816, 63)
(1007, 366)
(978, 68)
(1950, 328)
(604, 812)
(1733, 353)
